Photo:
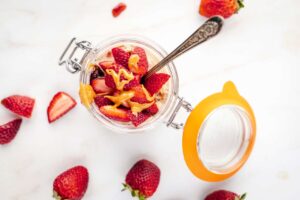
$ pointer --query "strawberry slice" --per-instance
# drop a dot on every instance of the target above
(138, 62)
(121, 56)
(21, 105)
(117, 114)
(139, 95)
(9, 130)
(99, 86)
(107, 65)
(118, 9)
(59, 106)
(135, 82)
(152, 110)
(102, 101)
(139, 118)
(155, 82)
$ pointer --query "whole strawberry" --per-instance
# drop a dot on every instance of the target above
(71, 184)
(9, 130)
(224, 195)
(142, 179)
(21, 105)
(225, 8)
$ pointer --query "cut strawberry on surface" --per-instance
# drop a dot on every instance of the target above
(116, 113)
(155, 82)
(121, 56)
(9, 130)
(152, 110)
(99, 86)
(138, 62)
(21, 105)
(59, 106)
(139, 118)
(118, 9)
(102, 101)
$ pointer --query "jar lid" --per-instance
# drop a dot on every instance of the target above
(219, 135)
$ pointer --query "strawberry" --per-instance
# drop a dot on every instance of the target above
(152, 110)
(138, 62)
(139, 95)
(118, 9)
(139, 118)
(99, 86)
(136, 81)
(142, 179)
(71, 184)
(60, 104)
(155, 82)
(107, 65)
(121, 56)
(225, 8)
(9, 130)
(102, 101)
(224, 195)
(21, 105)
(117, 114)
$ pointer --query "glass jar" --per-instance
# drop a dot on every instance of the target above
(219, 133)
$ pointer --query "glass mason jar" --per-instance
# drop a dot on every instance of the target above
(219, 133)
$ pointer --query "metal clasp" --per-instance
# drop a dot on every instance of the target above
(181, 104)
(74, 61)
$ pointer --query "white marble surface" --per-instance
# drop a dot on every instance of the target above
(259, 49)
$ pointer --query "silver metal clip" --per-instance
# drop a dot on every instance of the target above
(181, 104)
(73, 63)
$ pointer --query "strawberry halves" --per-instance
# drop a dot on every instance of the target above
(21, 105)
(9, 130)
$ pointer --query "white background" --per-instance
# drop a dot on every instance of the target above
(258, 49)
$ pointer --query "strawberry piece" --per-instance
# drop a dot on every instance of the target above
(139, 95)
(155, 82)
(224, 195)
(60, 104)
(107, 65)
(117, 114)
(21, 105)
(9, 130)
(71, 184)
(135, 82)
(142, 179)
(118, 9)
(102, 101)
(139, 118)
(121, 56)
(99, 86)
(152, 110)
(141, 67)
(225, 8)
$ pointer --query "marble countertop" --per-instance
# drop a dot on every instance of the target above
(258, 49)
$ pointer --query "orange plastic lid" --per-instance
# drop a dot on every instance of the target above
(219, 135)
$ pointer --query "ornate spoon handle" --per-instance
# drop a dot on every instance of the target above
(209, 29)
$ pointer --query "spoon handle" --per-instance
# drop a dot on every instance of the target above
(209, 29)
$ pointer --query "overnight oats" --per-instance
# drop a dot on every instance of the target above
(113, 90)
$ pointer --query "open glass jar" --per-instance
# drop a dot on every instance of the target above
(219, 133)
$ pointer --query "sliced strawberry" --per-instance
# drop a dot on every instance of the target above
(155, 82)
(152, 110)
(135, 82)
(99, 86)
(9, 130)
(139, 95)
(21, 105)
(59, 106)
(121, 56)
(138, 65)
(116, 113)
(107, 65)
(118, 9)
(109, 81)
(102, 101)
(139, 118)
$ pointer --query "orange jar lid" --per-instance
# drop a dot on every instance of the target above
(219, 135)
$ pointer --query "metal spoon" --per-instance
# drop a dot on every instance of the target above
(208, 30)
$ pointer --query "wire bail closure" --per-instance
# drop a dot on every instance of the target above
(73, 62)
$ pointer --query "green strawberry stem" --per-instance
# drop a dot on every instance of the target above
(134, 193)
(243, 196)
(241, 4)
